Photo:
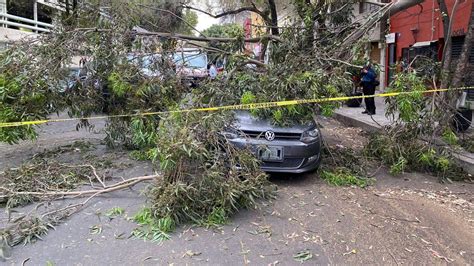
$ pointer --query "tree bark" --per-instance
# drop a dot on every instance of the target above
(446, 60)
(303, 8)
(273, 17)
(463, 63)
(67, 7)
(402, 5)
(450, 98)
(445, 17)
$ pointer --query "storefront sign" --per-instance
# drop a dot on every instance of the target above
(390, 38)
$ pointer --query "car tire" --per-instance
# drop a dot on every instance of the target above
(462, 120)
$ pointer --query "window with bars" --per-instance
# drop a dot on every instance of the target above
(456, 49)
(430, 51)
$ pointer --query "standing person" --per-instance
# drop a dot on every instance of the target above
(212, 71)
(368, 82)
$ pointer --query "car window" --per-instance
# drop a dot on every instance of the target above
(143, 61)
(193, 60)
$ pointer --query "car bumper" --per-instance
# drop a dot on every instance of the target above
(298, 157)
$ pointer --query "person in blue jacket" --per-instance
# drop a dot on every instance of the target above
(368, 82)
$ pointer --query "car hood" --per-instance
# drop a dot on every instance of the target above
(192, 72)
(244, 121)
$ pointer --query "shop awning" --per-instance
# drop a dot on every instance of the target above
(421, 44)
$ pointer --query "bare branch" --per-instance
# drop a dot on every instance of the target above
(391, 8)
(118, 186)
(343, 62)
(208, 39)
(252, 8)
(248, 60)
(173, 14)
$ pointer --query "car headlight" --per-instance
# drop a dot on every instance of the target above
(310, 136)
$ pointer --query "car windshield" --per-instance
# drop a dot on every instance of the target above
(144, 61)
(194, 60)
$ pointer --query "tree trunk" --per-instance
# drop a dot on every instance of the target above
(67, 7)
(446, 61)
(273, 17)
(463, 63)
(74, 10)
(402, 5)
(445, 16)
(449, 99)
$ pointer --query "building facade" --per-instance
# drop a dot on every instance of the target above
(25, 18)
(419, 31)
(375, 46)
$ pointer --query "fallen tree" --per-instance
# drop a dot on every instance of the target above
(199, 181)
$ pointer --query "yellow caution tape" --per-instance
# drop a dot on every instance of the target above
(230, 107)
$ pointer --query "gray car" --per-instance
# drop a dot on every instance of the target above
(295, 149)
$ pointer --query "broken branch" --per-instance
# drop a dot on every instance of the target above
(118, 186)
(207, 39)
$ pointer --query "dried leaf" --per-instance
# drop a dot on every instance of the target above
(303, 256)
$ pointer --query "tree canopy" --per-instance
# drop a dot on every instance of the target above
(130, 74)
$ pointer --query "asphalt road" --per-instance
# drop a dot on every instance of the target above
(408, 219)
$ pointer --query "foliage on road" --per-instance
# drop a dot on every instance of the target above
(42, 175)
(202, 171)
(410, 142)
(345, 167)
(343, 177)
(203, 179)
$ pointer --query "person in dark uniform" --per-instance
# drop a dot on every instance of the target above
(368, 83)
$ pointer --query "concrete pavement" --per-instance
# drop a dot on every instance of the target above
(352, 116)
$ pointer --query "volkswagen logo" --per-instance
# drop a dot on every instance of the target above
(270, 135)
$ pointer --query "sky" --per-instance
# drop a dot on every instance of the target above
(204, 21)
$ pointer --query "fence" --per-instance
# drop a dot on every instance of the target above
(11, 21)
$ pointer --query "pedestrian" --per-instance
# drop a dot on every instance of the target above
(212, 71)
(369, 82)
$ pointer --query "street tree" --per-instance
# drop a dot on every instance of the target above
(311, 58)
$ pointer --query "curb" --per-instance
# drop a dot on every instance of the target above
(352, 122)
(462, 158)
(465, 160)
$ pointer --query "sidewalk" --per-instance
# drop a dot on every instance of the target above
(352, 116)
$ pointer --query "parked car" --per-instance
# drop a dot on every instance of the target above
(191, 65)
(294, 149)
(74, 75)
(149, 64)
